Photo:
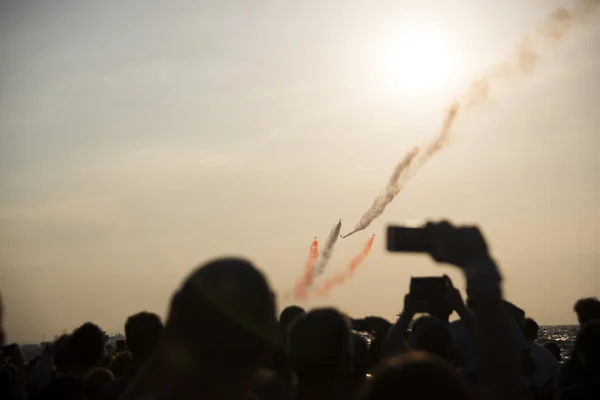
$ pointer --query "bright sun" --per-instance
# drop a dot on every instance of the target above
(419, 59)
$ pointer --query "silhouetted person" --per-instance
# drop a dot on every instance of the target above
(86, 348)
(279, 362)
(219, 331)
(95, 380)
(531, 329)
(142, 334)
(63, 360)
(55, 362)
(498, 361)
(361, 364)
(433, 336)
(379, 329)
(588, 351)
(587, 310)
(573, 371)
(415, 375)
(320, 348)
(554, 348)
(289, 314)
(545, 365)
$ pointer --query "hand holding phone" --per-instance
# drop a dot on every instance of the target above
(428, 294)
(412, 304)
(444, 242)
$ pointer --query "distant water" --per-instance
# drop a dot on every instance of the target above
(563, 335)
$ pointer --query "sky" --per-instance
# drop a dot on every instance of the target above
(140, 139)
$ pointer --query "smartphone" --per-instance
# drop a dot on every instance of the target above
(430, 285)
(408, 240)
(429, 292)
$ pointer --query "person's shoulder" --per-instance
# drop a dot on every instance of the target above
(541, 353)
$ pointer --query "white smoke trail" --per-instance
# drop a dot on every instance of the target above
(528, 53)
(327, 251)
(392, 189)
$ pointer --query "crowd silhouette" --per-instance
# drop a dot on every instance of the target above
(223, 340)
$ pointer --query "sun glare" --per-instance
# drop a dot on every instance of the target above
(418, 59)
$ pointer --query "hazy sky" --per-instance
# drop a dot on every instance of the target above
(141, 138)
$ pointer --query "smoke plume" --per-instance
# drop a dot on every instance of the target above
(306, 280)
(392, 189)
(327, 250)
(528, 55)
(341, 277)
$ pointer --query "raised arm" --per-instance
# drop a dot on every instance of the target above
(498, 357)
(395, 341)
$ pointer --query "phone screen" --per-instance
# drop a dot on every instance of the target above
(428, 292)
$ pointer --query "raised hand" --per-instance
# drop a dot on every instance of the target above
(456, 245)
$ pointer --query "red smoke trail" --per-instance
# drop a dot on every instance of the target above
(340, 278)
(306, 280)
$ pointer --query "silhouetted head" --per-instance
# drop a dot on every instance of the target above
(379, 325)
(433, 336)
(588, 346)
(289, 314)
(531, 329)
(361, 360)
(87, 345)
(287, 317)
(221, 321)
(587, 309)
(95, 381)
(415, 375)
(63, 361)
(121, 364)
(142, 334)
(554, 348)
(320, 347)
